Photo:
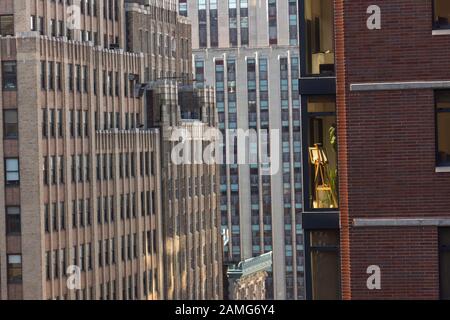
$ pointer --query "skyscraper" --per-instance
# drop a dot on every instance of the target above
(82, 200)
(249, 51)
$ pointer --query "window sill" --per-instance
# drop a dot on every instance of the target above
(441, 32)
(443, 170)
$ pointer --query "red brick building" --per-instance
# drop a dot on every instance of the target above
(391, 69)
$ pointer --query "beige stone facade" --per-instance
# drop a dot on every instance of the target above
(83, 168)
(192, 242)
(163, 36)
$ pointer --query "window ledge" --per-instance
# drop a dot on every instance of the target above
(442, 169)
(441, 32)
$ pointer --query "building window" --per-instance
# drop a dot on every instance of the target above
(444, 263)
(232, 22)
(6, 25)
(213, 24)
(273, 30)
(441, 14)
(324, 264)
(14, 268)
(13, 220)
(202, 28)
(183, 8)
(319, 29)
(293, 28)
(11, 128)
(12, 171)
(9, 75)
(443, 128)
(244, 22)
(322, 147)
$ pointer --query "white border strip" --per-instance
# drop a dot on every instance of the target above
(443, 32)
(407, 85)
(401, 222)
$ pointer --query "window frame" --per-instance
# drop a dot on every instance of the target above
(305, 124)
(7, 136)
(16, 280)
(16, 182)
(441, 249)
(8, 224)
(436, 114)
(434, 23)
(1, 31)
(4, 77)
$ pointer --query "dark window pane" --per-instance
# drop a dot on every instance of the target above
(9, 75)
(10, 124)
(6, 25)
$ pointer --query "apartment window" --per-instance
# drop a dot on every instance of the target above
(232, 22)
(202, 28)
(62, 216)
(443, 128)
(244, 22)
(59, 122)
(441, 14)
(325, 264)
(58, 76)
(322, 176)
(6, 25)
(213, 23)
(14, 268)
(70, 77)
(52, 27)
(13, 225)
(43, 75)
(293, 28)
(12, 171)
(11, 129)
(319, 24)
(9, 75)
(41, 26)
(273, 29)
(183, 8)
(33, 23)
(78, 78)
(444, 263)
(85, 79)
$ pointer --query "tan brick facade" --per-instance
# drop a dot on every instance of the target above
(89, 192)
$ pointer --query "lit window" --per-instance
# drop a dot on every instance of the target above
(441, 14)
(322, 153)
(319, 29)
(443, 128)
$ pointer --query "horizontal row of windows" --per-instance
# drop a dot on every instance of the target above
(78, 79)
(53, 124)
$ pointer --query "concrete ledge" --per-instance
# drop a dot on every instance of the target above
(443, 32)
(406, 85)
(401, 222)
(442, 169)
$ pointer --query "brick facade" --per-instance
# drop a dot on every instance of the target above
(387, 139)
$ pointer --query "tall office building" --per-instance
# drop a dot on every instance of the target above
(249, 51)
(82, 165)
